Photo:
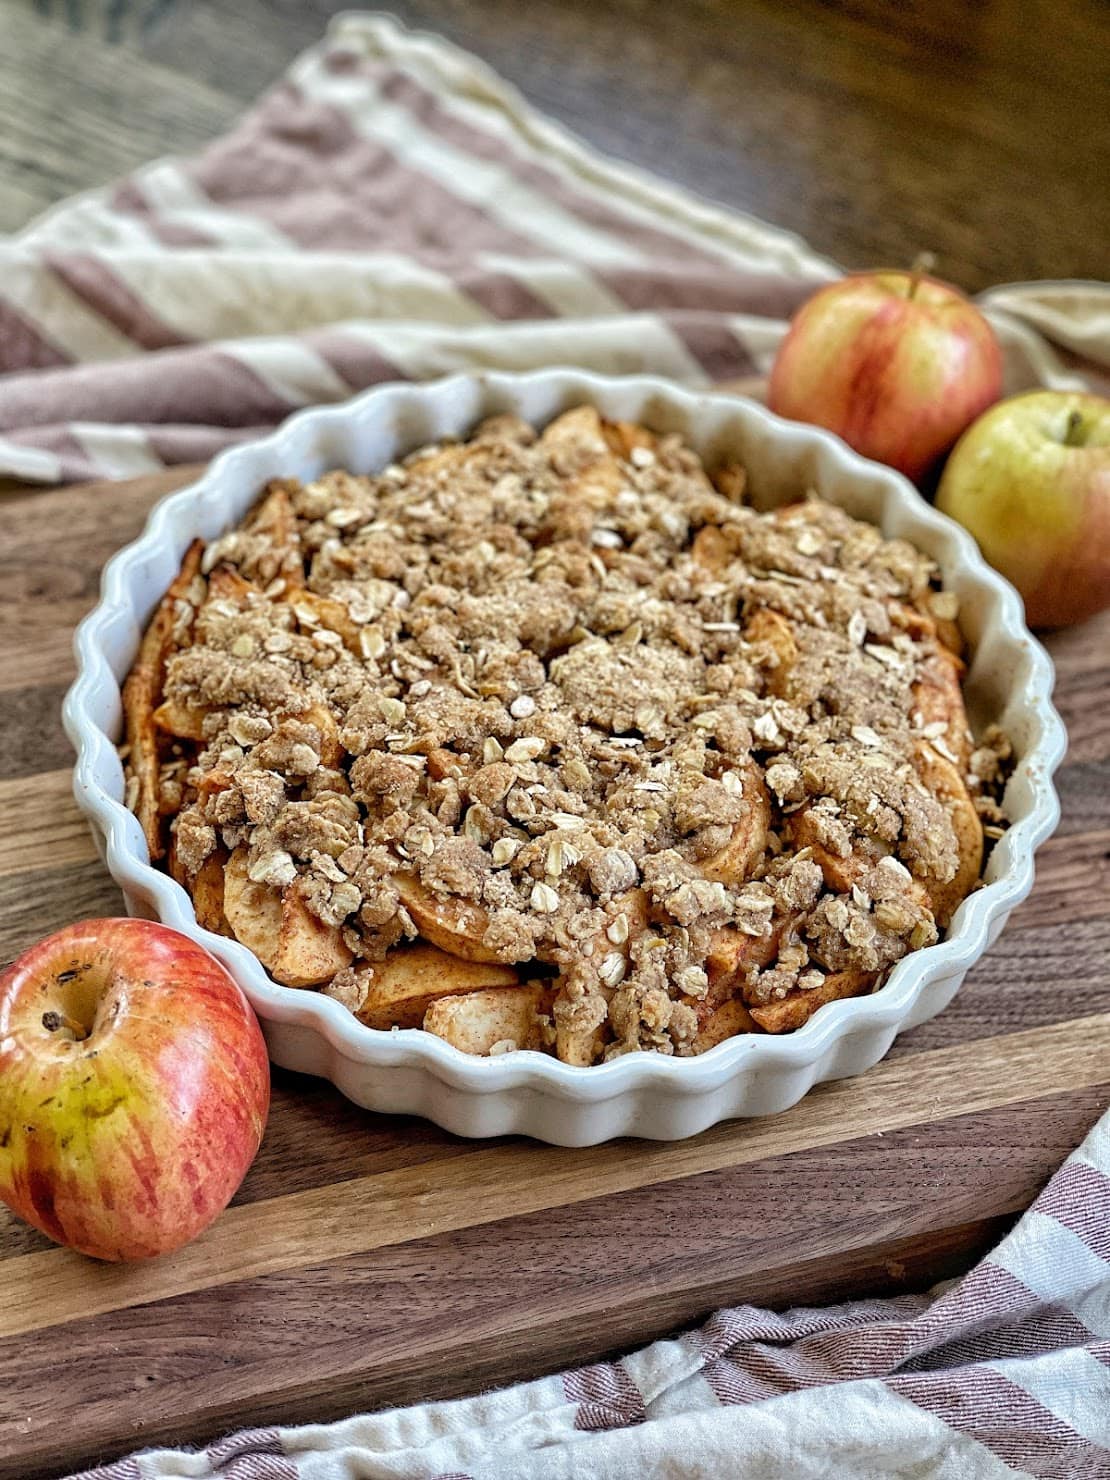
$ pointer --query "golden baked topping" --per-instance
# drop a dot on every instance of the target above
(563, 705)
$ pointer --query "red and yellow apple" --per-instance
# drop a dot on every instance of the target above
(134, 1088)
(1031, 481)
(896, 363)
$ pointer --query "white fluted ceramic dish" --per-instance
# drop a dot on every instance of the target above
(410, 1071)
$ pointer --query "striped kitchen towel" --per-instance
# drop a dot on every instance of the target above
(1005, 1372)
(391, 209)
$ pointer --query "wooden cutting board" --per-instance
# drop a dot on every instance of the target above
(371, 1260)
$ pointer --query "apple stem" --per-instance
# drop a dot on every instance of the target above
(924, 262)
(52, 1021)
(1071, 430)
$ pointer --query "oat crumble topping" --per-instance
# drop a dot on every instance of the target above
(564, 705)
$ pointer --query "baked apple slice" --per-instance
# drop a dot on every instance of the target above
(798, 1006)
(476, 1021)
(723, 1022)
(205, 887)
(296, 948)
(736, 861)
(770, 631)
(400, 989)
(938, 698)
(946, 783)
(454, 925)
(142, 693)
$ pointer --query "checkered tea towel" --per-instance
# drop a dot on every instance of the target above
(392, 209)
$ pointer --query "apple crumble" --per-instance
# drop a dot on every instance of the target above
(549, 741)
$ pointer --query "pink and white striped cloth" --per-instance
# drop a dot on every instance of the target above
(391, 209)
(1005, 1372)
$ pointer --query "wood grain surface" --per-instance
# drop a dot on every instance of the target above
(370, 1260)
(875, 130)
(373, 1260)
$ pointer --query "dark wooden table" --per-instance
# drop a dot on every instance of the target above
(371, 1260)
(875, 129)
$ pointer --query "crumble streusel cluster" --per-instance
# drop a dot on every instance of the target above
(565, 700)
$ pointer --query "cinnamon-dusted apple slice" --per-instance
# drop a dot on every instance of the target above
(309, 951)
(798, 1006)
(623, 437)
(174, 867)
(773, 633)
(591, 492)
(454, 925)
(733, 954)
(627, 921)
(253, 910)
(226, 584)
(213, 782)
(458, 927)
(315, 611)
(144, 767)
(400, 989)
(947, 626)
(938, 698)
(207, 890)
(446, 459)
(273, 516)
(476, 1021)
(182, 721)
(580, 1047)
(597, 478)
(923, 624)
(186, 721)
(730, 479)
(142, 693)
(723, 1022)
(296, 948)
(941, 777)
(579, 428)
(938, 689)
(734, 863)
(205, 887)
(713, 547)
(840, 873)
(331, 747)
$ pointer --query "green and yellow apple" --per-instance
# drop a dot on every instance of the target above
(1031, 481)
(896, 363)
(134, 1088)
